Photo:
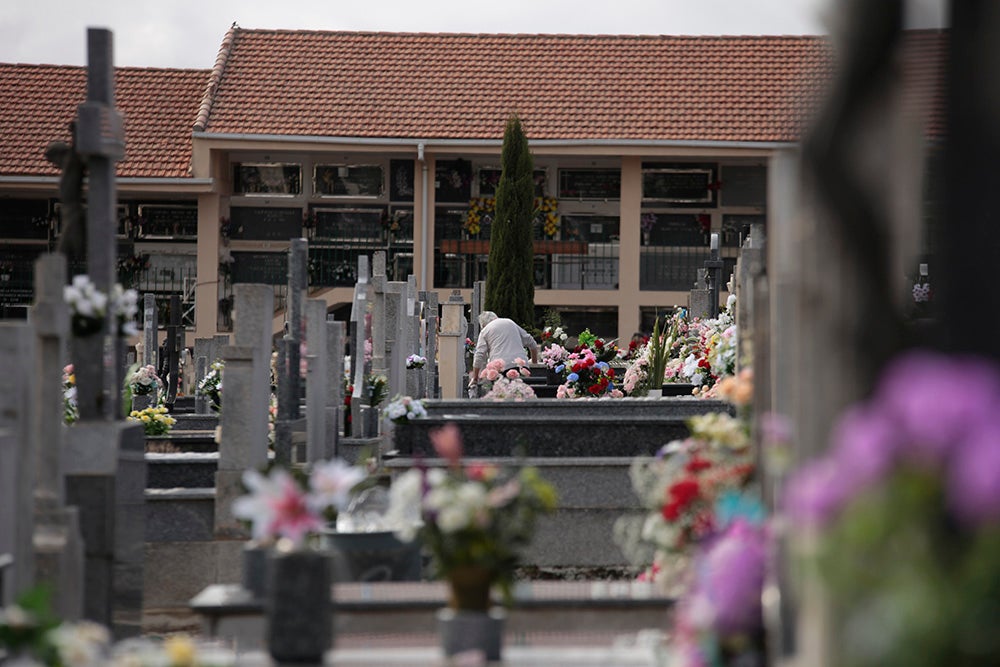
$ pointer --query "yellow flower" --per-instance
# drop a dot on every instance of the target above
(134, 413)
(180, 651)
(72, 378)
(144, 418)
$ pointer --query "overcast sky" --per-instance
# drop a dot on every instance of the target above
(187, 33)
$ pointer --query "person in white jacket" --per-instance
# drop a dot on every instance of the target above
(500, 338)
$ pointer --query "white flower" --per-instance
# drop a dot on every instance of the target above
(256, 506)
(331, 483)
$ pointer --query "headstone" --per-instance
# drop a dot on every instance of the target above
(297, 286)
(334, 386)
(173, 350)
(202, 348)
(361, 331)
(316, 379)
(395, 332)
(700, 298)
(451, 342)
(18, 472)
(220, 341)
(201, 403)
(57, 541)
(381, 327)
(245, 402)
(149, 330)
(430, 337)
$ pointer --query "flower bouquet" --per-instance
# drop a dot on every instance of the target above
(507, 385)
(71, 412)
(211, 385)
(87, 306)
(473, 518)
(586, 377)
(144, 381)
(155, 421)
(415, 361)
(905, 509)
(403, 409)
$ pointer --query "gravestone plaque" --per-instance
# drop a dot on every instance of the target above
(744, 185)
(267, 179)
(349, 223)
(348, 180)
(266, 268)
(679, 184)
(590, 183)
(169, 220)
(401, 180)
(260, 223)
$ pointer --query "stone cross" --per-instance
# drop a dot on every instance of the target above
(298, 260)
(430, 342)
(478, 298)
(335, 386)
(361, 329)
(381, 329)
(100, 139)
(700, 298)
(395, 342)
(172, 349)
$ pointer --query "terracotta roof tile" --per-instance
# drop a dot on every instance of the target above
(159, 106)
(463, 86)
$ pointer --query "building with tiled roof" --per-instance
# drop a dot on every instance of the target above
(645, 145)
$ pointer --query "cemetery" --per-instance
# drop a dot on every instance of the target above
(795, 464)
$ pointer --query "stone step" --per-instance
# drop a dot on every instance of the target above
(180, 514)
(185, 470)
(193, 422)
(182, 441)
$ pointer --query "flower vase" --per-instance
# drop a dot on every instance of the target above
(142, 401)
(469, 623)
(298, 607)
(255, 570)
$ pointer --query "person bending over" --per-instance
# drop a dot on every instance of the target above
(500, 338)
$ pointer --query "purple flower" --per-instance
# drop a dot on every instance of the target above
(974, 477)
(865, 442)
(733, 576)
(936, 399)
(816, 493)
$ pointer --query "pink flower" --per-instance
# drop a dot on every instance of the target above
(491, 374)
(291, 516)
(331, 483)
(447, 442)
(512, 373)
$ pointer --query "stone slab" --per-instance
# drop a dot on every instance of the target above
(180, 515)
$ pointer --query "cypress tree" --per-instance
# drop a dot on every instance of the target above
(510, 285)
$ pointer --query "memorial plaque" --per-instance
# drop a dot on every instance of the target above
(678, 230)
(331, 180)
(267, 179)
(448, 223)
(267, 268)
(453, 181)
(258, 223)
(25, 218)
(172, 220)
(349, 223)
(590, 184)
(590, 228)
(744, 185)
(401, 180)
(682, 185)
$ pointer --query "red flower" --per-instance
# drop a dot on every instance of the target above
(595, 389)
(703, 363)
(611, 373)
(684, 492)
(671, 511)
(599, 344)
(697, 464)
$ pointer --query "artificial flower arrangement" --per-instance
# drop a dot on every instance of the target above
(282, 505)
(473, 518)
(144, 381)
(603, 350)
(587, 377)
(88, 306)
(211, 385)
(71, 412)
(553, 355)
(415, 361)
(506, 385)
(404, 408)
(482, 209)
(155, 420)
(552, 335)
(681, 488)
(378, 389)
(904, 512)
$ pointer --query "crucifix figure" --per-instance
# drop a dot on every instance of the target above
(73, 237)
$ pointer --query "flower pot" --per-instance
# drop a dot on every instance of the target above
(255, 570)
(469, 588)
(472, 631)
(298, 607)
(375, 556)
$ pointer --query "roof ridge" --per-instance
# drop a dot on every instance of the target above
(205, 108)
(630, 36)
